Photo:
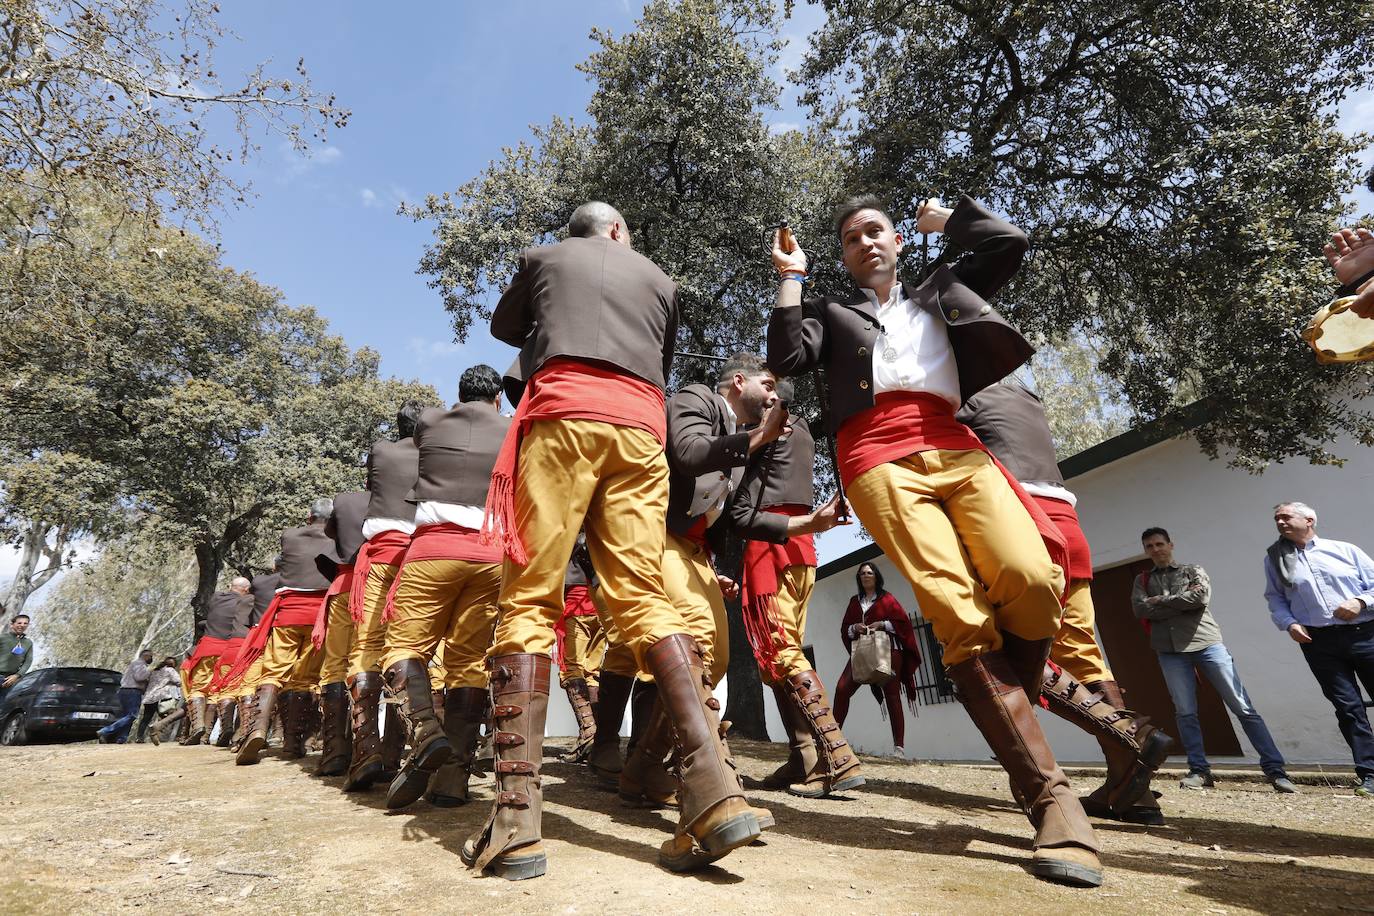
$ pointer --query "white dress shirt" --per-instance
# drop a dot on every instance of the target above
(431, 512)
(375, 526)
(912, 352)
(1050, 490)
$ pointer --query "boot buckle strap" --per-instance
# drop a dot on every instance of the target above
(713, 704)
(508, 739)
(513, 799)
(827, 729)
(514, 768)
(505, 712)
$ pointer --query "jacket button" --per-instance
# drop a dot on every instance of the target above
(984, 310)
(869, 326)
(863, 351)
(863, 383)
(953, 314)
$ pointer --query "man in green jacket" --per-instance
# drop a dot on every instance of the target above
(16, 652)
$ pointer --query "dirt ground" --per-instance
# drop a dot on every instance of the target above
(108, 829)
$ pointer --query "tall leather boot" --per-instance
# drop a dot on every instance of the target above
(334, 730)
(645, 780)
(604, 758)
(436, 701)
(313, 724)
(836, 767)
(996, 701)
(211, 717)
(464, 708)
(365, 767)
(429, 749)
(580, 697)
(486, 744)
(195, 718)
(266, 702)
(393, 738)
(1131, 764)
(226, 723)
(295, 721)
(511, 844)
(715, 819)
(247, 716)
(801, 747)
(1027, 657)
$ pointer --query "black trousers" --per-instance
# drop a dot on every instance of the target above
(1342, 656)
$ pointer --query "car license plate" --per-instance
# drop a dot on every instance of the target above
(91, 715)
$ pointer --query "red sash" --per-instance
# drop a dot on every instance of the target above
(342, 585)
(902, 423)
(763, 565)
(386, 547)
(208, 647)
(288, 609)
(444, 541)
(1065, 518)
(577, 602)
(565, 389)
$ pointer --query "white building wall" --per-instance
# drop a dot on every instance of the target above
(1218, 517)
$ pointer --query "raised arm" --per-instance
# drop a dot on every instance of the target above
(693, 447)
(994, 247)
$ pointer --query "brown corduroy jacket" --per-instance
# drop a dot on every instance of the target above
(590, 299)
(702, 455)
(392, 469)
(839, 334)
(458, 449)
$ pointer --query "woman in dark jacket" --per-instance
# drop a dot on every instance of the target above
(874, 607)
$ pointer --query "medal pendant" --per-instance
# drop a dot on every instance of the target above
(890, 354)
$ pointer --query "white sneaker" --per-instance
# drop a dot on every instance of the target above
(899, 754)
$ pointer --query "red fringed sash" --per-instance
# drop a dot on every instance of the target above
(565, 389)
(208, 647)
(577, 602)
(445, 541)
(288, 609)
(387, 548)
(763, 566)
(342, 585)
(901, 423)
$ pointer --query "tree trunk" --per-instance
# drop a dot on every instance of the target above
(209, 562)
(28, 578)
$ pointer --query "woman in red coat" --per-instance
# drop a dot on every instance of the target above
(874, 606)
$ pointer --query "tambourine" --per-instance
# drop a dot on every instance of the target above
(1338, 335)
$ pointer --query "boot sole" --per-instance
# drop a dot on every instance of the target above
(336, 768)
(512, 868)
(413, 780)
(446, 801)
(740, 830)
(844, 785)
(365, 778)
(248, 754)
(1070, 874)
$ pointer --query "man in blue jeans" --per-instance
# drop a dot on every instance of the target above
(1173, 599)
(131, 688)
(1321, 593)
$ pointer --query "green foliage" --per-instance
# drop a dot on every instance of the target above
(1177, 165)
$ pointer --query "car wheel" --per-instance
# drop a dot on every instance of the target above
(14, 731)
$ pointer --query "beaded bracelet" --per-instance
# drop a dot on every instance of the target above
(800, 278)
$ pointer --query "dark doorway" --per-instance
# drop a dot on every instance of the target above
(1136, 668)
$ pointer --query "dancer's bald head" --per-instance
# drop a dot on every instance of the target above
(596, 218)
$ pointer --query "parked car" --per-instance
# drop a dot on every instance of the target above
(59, 703)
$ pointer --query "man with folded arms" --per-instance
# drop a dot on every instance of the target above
(597, 323)
(899, 360)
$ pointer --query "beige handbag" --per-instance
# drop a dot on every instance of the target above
(870, 657)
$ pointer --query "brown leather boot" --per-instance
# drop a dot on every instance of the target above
(996, 701)
(334, 730)
(511, 844)
(226, 723)
(715, 818)
(195, 717)
(211, 717)
(645, 780)
(366, 764)
(393, 738)
(265, 701)
(464, 708)
(295, 722)
(604, 758)
(1131, 764)
(1027, 658)
(580, 697)
(429, 749)
(801, 746)
(836, 767)
(246, 716)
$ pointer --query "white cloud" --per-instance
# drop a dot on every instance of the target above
(427, 350)
(369, 197)
(388, 199)
(298, 163)
(782, 127)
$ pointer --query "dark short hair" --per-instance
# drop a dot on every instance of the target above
(407, 417)
(1151, 532)
(743, 362)
(20, 616)
(877, 578)
(852, 205)
(479, 383)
